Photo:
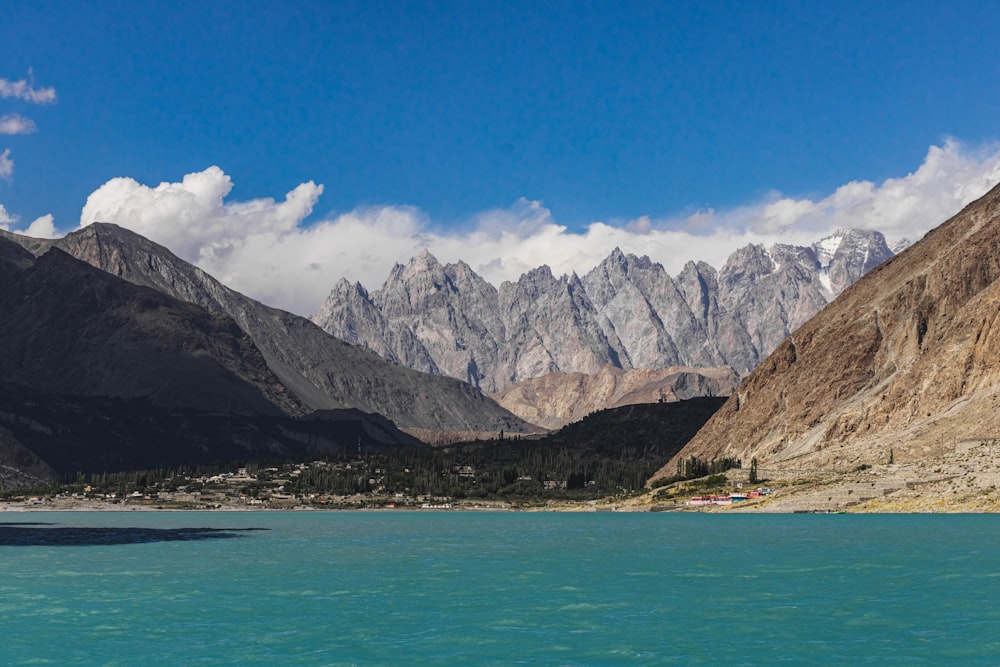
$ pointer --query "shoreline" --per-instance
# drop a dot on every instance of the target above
(952, 483)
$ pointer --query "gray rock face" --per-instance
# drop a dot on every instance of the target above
(627, 312)
(551, 324)
(321, 371)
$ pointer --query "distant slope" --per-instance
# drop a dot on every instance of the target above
(322, 371)
(557, 399)
(905, 364)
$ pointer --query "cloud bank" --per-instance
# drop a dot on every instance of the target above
(263, 248)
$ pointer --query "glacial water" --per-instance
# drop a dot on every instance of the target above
(422, 588)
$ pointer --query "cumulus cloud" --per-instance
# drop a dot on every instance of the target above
(22, 90)
(12, 123)
(191, 217)
(6, 164)
(42, 228)
(265, 249)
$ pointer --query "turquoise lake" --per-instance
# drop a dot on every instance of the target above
(451, 588)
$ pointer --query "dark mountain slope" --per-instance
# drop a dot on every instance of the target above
(322, 371)
(660, 427)
(69, 328)
(19, 466)
(43, 434)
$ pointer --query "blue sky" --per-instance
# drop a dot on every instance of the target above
(499, 119)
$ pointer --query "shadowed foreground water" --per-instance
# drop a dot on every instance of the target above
(43, 534)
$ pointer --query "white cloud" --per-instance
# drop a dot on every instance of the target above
(12, 123)
(42, 228)
(191, 218)
(23, 90)
(263, 248)
(949, 178)
(6, 219)
(6, 164)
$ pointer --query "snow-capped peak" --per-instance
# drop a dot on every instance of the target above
(827, 247)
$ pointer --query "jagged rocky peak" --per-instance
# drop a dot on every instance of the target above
(350, 304)
(627, 311)
(784, 255)
(748, 264)
(698, 282)
(423, 264)
(616, 272)
(850, 241)
(343, 291)
(628, 262)
(425, 283)
(540, 275)
(900, 245)
(464, 278)
(848, 254)
(617, 262)
(422, 274)
(346, 287)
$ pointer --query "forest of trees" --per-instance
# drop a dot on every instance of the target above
(609, 452)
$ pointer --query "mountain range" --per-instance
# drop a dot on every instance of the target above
(118, 355)
(627, 312)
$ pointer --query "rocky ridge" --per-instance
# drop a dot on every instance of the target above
(627, 312)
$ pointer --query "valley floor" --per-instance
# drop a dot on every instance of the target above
(965, 480)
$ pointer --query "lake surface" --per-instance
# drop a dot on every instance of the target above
(357, 588)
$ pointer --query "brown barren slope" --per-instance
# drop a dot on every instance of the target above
(557, 399)
(905, 364)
